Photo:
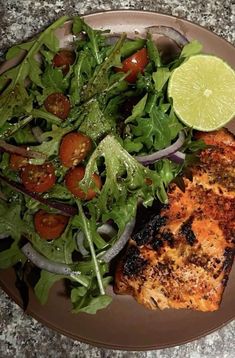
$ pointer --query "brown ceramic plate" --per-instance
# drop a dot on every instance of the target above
(126, 324)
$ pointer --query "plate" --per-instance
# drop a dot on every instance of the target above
(125, 324)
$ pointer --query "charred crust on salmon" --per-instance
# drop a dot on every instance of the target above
(186, 230)
(182, 256)
(150, 230)
(133, 264)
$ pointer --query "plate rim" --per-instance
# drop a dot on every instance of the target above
(90, 14)
(97, 343)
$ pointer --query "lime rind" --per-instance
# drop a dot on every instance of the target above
(203, 92)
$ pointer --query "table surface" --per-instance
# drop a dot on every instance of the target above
(20, 335)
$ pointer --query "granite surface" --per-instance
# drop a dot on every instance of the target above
(20, 335)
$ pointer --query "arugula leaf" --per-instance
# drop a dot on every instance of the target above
(12, 225)
(161, 77)
(153, 131)
(43, 114)
(144, 82)
(50, 144)
(100, 80)
(124, 176)
(47, 56)
(132, 145)
(10, 220)
(53, 79)
(89, 300)
(117, 85)
(11, 256)
(18, 49)
(95, 124)
(192, 48)
(90, 304)
(24, 136)
(44, 284)
(15, 99)
(77, 80)
(157, 131)
(8, 129)
(131, 46)
(85, 225)
(78, 26)
(153, 52)
(35, 71)
(59, 250)
(98, 241)
(152, 101)
(122, 213)
(59, 191)
(11, 174)
(51, 41)
(174, 124)
(168, 170)
(138, 109)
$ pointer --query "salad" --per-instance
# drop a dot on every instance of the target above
(87, 135)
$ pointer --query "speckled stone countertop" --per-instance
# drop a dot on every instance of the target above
(20, 335)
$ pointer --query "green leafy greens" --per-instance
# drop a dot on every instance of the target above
(121, 119)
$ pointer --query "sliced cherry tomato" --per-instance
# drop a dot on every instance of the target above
(17, 161)
(74, 148)
(49, 226)
(63, 59)
(58, 104)
(38, 178)
(135, 63)
(72, 179)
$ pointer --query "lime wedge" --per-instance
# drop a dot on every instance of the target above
(203, 92)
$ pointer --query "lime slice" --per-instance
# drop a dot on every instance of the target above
(203, 92)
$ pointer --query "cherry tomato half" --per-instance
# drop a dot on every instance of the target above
(38, 178)
(72, 179)
(58, 104)
(49, 226)
(17, 161)
(74, 148)
(63, 59)
(135, 64)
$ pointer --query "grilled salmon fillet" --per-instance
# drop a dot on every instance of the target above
(182, 257)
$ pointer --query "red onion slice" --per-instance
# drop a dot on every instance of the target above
(45, 264)
(119, 245)
(111, 39)
(4, 236)
(107, 230)
(28, 153)
(170, 32)
(103, 230)
(177, 157)
(152, 158)
(51, 266)
(80, 243)
(65, 209)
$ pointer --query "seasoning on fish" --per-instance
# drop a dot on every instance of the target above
(182, 257)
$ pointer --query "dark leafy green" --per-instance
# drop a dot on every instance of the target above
(15, 99)
(11, 224)
(44, 284)
(121, 119)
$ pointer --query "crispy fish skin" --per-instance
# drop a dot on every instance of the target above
(183, 256)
